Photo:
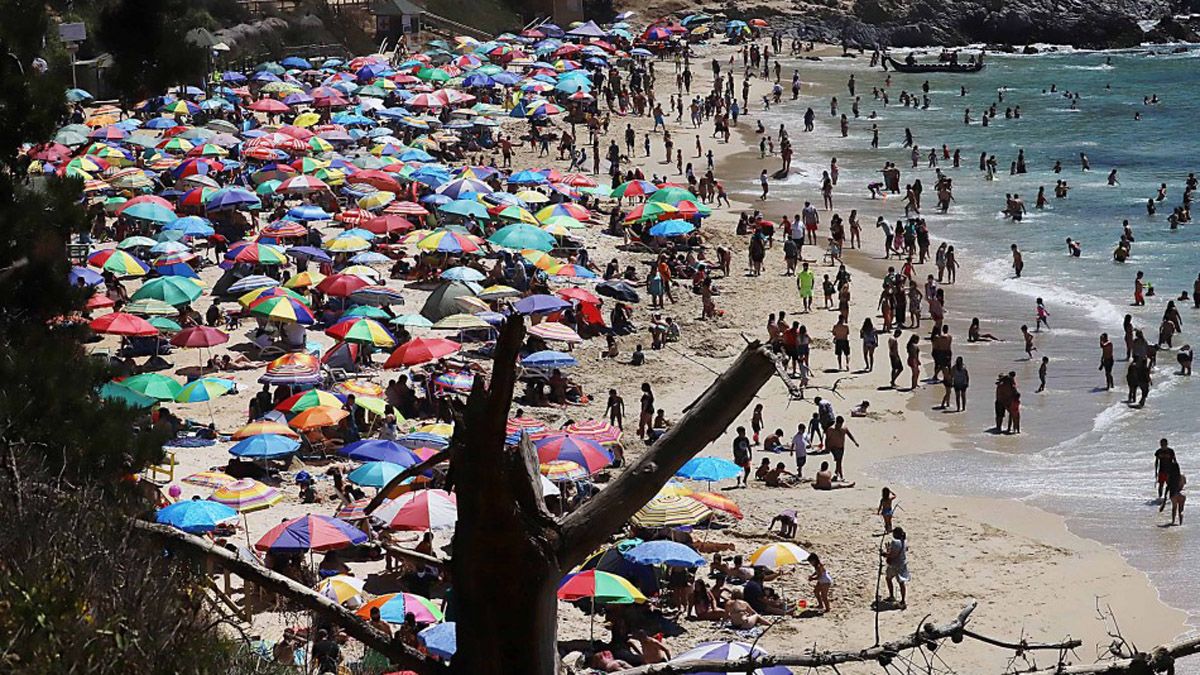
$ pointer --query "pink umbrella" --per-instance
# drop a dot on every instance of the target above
(199, 336)
(419, 510)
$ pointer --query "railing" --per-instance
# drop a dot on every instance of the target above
(430, 20)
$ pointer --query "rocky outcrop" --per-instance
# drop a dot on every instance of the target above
(912, 23)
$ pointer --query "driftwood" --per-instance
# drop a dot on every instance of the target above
(883, 654)
(355, 627)
(1161, 659)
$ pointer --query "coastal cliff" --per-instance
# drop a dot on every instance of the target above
(915, 23)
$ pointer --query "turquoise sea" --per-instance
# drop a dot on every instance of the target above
(1085, 454)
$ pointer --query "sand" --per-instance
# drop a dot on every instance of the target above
(1029, 574)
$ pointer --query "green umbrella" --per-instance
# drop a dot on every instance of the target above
(113, 391)
(522, 236)
(367, 311)
(164, 324)
(173, 290)
(154, 385)
(150, 307)
(204, 389)
(673, 195)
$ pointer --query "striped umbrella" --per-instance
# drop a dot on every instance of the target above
(583, 451)
(778, 554)
(305, 280)
(265, 292)
(729, 651)
(393, 607)
(151, 307)
(553, 330)
(561, 470)
(599, 586)
(204, 389)
(420, 510)
(261, 254)
(458, 381)
(717, 502)
(341, 588)
(355, 510)
(246, 495)
(209, 479)
(283, 309)
(310, 533)
(118, 262)
(297, 403)
(634, 188)
(361, 330)
(674, 488)
(448, 241)
(670, 511)
(598, 430)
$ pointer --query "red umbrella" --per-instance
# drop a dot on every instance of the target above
(341, 285)
(120, 323)
(199, 336)
(377, 178)
(577, 293)
(421, 350)
(387, 224)
(99, 301)
(269, 105)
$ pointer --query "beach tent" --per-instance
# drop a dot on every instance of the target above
(587, 30)
(442, 302)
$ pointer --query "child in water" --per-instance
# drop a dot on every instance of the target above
(1043, 316)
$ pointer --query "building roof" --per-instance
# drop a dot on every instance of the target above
(396, 8)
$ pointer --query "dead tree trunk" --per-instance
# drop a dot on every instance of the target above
(509, 552)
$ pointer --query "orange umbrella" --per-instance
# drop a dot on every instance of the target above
(717, 502)
(264, 427)
(318, 416)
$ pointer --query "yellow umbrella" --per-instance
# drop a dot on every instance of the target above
(304, 280)
(341, 588)
(670, 511)
(437, 429)
(498, 291)
(307, 119)
(532, 197)
(461, 322)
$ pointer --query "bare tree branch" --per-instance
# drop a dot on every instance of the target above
(883, 654)
(1161, 659)
(707, 418)
(395, 651)
(414, 470)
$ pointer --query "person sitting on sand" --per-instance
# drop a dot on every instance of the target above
(824, 480)
(779, 477)
(650, 649)
(763, 469)
(702, 604)
(764, 600)
(741, 615)
(604, 661)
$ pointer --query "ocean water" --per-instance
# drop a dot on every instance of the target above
(1085, 454)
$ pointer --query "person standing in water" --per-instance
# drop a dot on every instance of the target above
(1162, 457)
(1018, 260)
(1106, 360)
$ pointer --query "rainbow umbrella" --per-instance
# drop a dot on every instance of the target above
(599, 587)
(361, 330)
(561, 470)
(283, 309)
(209, 479)
(310, 533)
(261, 254)
(341, 588)
(634, 188)
(585, 452)
(298, 403)
(419, 510)
(566, 209)
(194, 516)
(118, 262)
(448, 241)
(571, 270)
(375, 474)
(355, 510)
(304, 280)
(650, 211)
(203, 390)
(154, 385)
(393, 607)
(670, 511)
(265, 292)
(455, 381)
(246, 495)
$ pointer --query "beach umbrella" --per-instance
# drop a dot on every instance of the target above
(120, 323)
(583, 451)
(154, 385)
(195, 516)
(204, 389)
(709, 469)
(634, 188)
(264, 427)
(265, 446)
(375, 474)
(232, 198)
(387, 224)
(257, 294)
(419, 510)
(341, 588)
(571, 271)
(523, 236)
(540, 304)
(317, 417)
(448, 241)
(553, 330)
(175, 291)
(618, 290)
(664, 552)
(254, 282)
(199, 336)
(717, 502)
(310, 533)
(778, 554)
(379, 450)
(361, 330)
(729, 651)
(670, 511)
(113, 391)
(88, 277)
(260, 254)
(498, 292)
(283, 309)
(245, 495)
(151, 307)
(341, 285)
(355, 510)
(162, 323)
(378, 296)
(578, 294)
(598, 586)
(411, 321)
(421, 350)
(393, 607)
(549, 358)
(651, 211)
(209, 479)
(299, 402)
(461, 273)
(562, 470)
(671, 228)
(118, 262)
(440, 639)
(305, 280)
(461, 322)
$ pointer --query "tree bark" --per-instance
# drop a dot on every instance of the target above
(1161, 659)
(355, 627)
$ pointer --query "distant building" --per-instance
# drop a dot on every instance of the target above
(395, 18)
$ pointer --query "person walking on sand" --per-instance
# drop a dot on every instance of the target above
(615, 409)
(646, 414)
(894, 355)
(1162, 457)
(822, 582)
(1018, 260)
(805, 283)
(895, 553)
(766, 187)
(743, 456)
(841, 341)
(835, 442)
(800, 449)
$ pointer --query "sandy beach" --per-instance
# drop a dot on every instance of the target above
(1033, 579)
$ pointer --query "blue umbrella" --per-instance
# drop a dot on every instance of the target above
(466, 207)
(461, 273)
(232, 198)
(374, 474)
(440, 639)
(709, 469)
(191, 226)
(89, 277)
(379, 450)
(664, 552)
(309, 252)
(671, 228)
(308, 212)
(295, 62)
(421, 439)
(195, 515)
(527, 177)
(540, 304)
(265, 446)
(548, 358)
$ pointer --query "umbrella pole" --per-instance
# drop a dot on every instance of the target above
(592, 626)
